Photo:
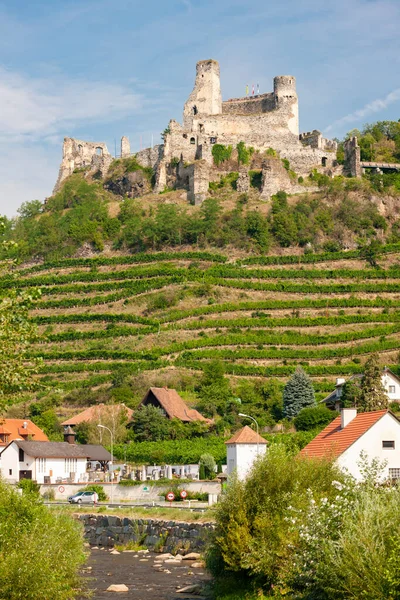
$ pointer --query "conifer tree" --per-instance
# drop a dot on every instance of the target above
(373, 395)
(298, 393)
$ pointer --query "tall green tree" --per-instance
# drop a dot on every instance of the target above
(373, 395)
(298, 393)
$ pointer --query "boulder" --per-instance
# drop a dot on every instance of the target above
(118, 587)
(198, 565)
(133, 185)
(192, 556)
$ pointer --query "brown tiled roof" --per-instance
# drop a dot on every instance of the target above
(52, 449)
(94, 413)
(173, 405)
(333, 440)
(14, 429)
(246, 435)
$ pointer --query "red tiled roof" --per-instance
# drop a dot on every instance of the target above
(173, 405)
(20, 428)
(246, 435)
(95, 412)
(333, 440)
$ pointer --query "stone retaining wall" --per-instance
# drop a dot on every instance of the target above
(164, 536)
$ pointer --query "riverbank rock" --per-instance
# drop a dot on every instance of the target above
(192, 556)
(118, 587)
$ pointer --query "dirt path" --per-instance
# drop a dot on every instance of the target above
(145, 579)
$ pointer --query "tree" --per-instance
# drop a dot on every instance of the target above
(214, 389)
(373, 395)
(370, 252)
(314, 417)
(298, 393)
(350, 396)
(149, 424)
(207, 465)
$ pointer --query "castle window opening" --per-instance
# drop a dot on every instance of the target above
(80, 148)
(201, 127)
(185, 136)
(213, 140)
(195, 111)
(323, 161)
(192, 140)
(99, 151)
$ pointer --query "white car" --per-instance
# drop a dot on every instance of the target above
(83, 498)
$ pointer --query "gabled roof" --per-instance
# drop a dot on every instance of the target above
(174, 406)
(62, 450)
(333, 440)
(51, 449)
(95, 412)
(17, 428)
(246, 435)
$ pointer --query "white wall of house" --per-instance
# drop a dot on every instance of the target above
(392, 387)
(387, 429)
(54, 468)
(240, 457)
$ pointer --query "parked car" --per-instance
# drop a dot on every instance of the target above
(83, 498)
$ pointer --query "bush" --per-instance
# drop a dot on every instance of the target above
(93, 487)
(221, 153)
(208, 463)
(41, 549)
(313, 418)
(28, 486)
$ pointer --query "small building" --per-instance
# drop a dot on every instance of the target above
(377, 434)
(170, 402)
(52, 462)
(243, 449)
(390, 382)
(97, 413)
(23, 429)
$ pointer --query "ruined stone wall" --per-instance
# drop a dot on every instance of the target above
(275, 178)
(125, 147)
(78, 154)
(316, 140)
(103, 530)
(352, 158)
(150, 157)
(249, 105)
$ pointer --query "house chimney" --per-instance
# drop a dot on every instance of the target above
(69, 435)
(340, 381)
(347, 415)
(24, 425)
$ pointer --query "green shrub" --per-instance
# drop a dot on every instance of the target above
(39, 541)
(28, 486)
(94, 487)
(314, 418)
(221, 153)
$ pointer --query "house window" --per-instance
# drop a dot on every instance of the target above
(10, 471)
(70, 465)
(392, 389)
(21, 455)
(41, 465)
(388, 444)
(394, 473)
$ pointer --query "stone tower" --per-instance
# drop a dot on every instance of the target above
(125, 147)
(205, 98)
(286, 98)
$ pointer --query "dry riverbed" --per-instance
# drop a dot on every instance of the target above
(146, 575)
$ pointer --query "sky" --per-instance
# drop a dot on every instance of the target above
(100, 69)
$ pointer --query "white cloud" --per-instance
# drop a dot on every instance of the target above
(33, 109)
(369, 109)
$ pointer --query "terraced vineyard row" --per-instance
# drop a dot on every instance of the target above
(181, 310)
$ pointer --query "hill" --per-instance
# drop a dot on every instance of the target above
(152, 291)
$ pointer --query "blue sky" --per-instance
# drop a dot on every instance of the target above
(100, 69)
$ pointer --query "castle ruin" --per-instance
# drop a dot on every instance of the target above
(185, 160)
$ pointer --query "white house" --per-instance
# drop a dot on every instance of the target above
(49, 462)
(376, 433)
(390, 382)
(242, 450)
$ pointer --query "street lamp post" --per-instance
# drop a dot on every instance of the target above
(253, 419)
(111, 461)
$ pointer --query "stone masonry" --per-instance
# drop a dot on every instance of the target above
(168, 536)
(262, 121)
